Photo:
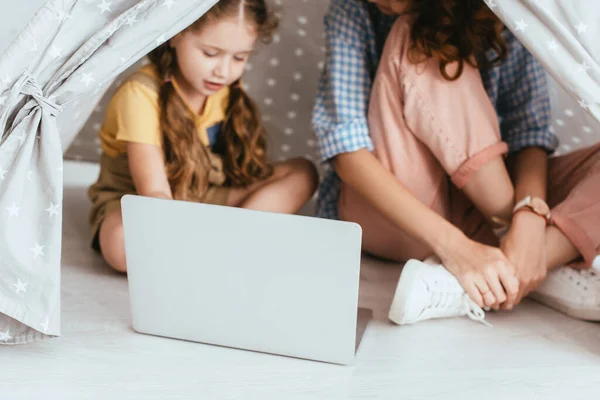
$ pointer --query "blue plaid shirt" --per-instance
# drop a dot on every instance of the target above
(355, 36)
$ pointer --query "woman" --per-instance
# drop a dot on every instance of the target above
(456, 146)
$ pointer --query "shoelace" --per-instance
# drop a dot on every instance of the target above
(474, 311)
(443, 297)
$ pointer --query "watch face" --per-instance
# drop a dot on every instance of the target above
(539, 206)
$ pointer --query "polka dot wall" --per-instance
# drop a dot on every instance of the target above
(573, 125)
(282, 78)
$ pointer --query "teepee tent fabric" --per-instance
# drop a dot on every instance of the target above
(50, 78)
(563, 36)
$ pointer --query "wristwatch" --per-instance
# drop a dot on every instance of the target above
(535, 204)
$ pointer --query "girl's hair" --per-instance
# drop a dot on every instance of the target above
(245, 150)
(455, 31)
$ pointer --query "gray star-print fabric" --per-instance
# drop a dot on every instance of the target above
(563, 36)
(51, 77)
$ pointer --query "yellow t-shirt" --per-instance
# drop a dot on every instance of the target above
(133, 115)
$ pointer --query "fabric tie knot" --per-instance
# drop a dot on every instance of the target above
(31, 88)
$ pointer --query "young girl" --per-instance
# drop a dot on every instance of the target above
(183, 128)
(448, 93)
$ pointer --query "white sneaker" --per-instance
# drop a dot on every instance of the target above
(572, 292)
(427, 290)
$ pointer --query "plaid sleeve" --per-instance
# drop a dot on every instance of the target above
(339, 116)
(523, 101)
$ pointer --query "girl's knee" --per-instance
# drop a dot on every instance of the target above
(112, 241)
(307, 171)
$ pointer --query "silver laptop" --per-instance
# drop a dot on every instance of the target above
(265, 282)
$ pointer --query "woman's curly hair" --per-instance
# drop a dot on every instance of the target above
(455, 31)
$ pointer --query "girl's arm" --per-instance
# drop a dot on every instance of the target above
(147, 166)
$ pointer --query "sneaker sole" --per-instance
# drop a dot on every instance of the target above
(406, 278)
(586, 315)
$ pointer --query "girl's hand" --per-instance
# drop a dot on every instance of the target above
(484, 272)
(525, 246)
(147, 166)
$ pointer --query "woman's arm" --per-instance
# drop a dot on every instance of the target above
(339, 115)
(365, 174)
(147, 166)
(525, 242)
(529, 168)
(476, 266)
(524, 108)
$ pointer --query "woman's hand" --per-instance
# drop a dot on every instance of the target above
(525, 247)
(484, 272)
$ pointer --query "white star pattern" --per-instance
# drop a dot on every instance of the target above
(104, 6)
(21, 138)
(59, 15)
(552, 45)
(131, 20)
(33, 47)
(55, 52)
(2, 100)
(29, 173)
(20, 286)
(490, 3)
(5, 336)
(521, 25)
(168, 4)
(87, 79)
(581, 28)
(583, 67)
(6, 80)
(37, 251)
(45, 324)
(160, 40)
(13, 210)
(2, 173)
(52, 210)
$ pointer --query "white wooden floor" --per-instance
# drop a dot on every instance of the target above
(531, 353)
